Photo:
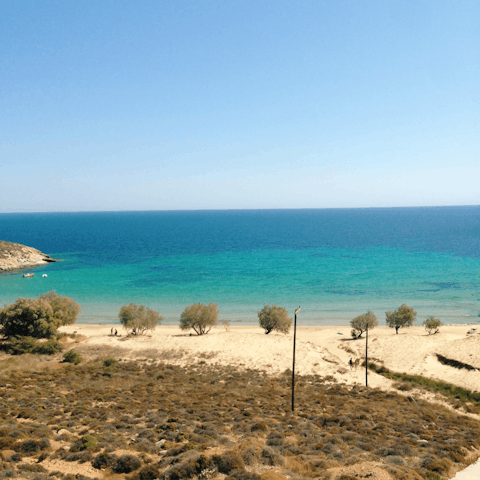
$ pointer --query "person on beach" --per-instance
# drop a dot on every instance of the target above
(351, 363)
(115, 332)
(111, 331)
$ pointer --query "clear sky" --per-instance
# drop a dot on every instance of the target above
(220, 104)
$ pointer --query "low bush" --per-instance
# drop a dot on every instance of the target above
(109, 362)
(33, 446)
(72, 357)
(149, 472)
(21, 345)
(127, 463)
(50, 347)
(272, 457)
(88, 442)
(243, 475)
(104, 460)
(452, 391)
(228, 461)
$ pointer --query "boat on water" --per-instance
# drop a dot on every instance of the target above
(28, 275)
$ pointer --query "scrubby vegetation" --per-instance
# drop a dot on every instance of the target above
(152, 420)
(459, 396)
(22, 345)
(38, 317)
(273, 318)
(199, 317)
(359, 324)
(138, 319)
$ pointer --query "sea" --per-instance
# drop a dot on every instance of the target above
(333, 263)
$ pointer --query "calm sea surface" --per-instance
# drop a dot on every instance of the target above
(335, 263)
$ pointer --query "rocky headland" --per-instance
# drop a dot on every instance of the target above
(15, 256)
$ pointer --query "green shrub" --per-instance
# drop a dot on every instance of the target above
(108, 362)
(72, 357)
(38, 317)
(51, 347)
(89, 442)
(21, 345)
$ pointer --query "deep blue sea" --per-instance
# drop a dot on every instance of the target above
(334, 263)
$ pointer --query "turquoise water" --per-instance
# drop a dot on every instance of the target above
(336, 264)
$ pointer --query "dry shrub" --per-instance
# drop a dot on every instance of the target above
(442, 466)
(104, 460)
(242, 475)
(272, 457)
(33, 446)
(272, 476)
(149, 472)
(403, 473)
(260, 426)
(127, 463)
(188, 468)
(228, 461)
(299, 467)
(7, 443)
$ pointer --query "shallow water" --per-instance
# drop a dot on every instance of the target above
(336, 264)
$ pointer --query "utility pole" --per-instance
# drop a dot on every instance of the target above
(366, 359)
(293, 368)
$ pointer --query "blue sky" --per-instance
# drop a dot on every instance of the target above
(155, 105)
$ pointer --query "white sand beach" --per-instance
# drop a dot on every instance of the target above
(319, 350)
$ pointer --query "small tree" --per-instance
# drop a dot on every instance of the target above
(65, 310)
(38, 317)
(359, 324)
(432, 325)
(138, 319)
(273, 318)
(226, 325)
(200, 317)
(403, 316)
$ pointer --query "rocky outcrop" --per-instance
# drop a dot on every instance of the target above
(14, 256)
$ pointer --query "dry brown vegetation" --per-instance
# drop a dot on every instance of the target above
(141, 421)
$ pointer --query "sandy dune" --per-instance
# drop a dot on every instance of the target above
(320, 350)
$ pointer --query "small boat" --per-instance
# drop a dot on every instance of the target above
(44, 275)
(28, 275)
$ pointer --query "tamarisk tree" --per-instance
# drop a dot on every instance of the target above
(401, 317)
(138, 319)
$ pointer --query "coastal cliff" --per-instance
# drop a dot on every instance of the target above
(15, 256)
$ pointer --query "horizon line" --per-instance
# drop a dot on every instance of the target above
(236, 209)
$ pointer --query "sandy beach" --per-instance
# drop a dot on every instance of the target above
(320, 350)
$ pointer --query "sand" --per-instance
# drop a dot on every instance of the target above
(319, 350)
